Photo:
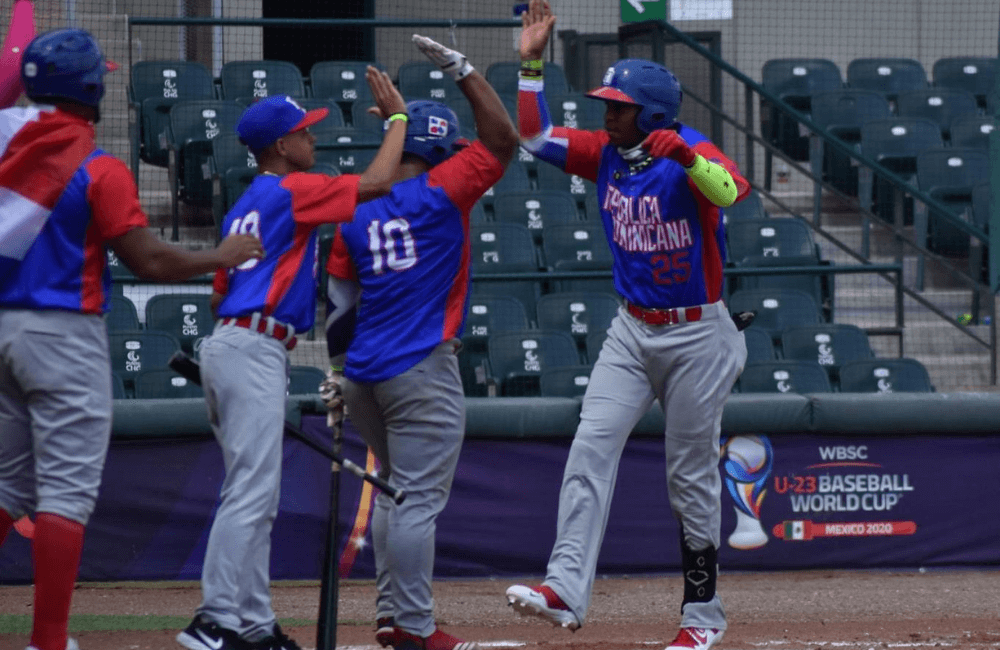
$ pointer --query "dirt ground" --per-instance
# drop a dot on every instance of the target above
(807, 610)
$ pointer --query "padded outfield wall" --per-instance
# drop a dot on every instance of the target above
(815, 481)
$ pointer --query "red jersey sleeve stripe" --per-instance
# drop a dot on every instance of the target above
(220, 284)
(455, 306)
(339, 263)
(94, 260)
(319, 199)
(287, 267)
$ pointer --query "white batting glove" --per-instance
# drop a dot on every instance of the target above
(448, 60)
(332, 393)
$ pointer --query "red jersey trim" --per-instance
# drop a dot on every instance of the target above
(94, 260)
(339, 264)
(467, 175)
(319, 199)
(287, 267)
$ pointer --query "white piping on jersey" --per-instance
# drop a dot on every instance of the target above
(537, 143)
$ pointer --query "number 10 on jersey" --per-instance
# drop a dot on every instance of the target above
(391, 245)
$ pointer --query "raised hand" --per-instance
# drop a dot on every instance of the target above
(667, 143)
(536, 28)
(388, 101)
(450, 61)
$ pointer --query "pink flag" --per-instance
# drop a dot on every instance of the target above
(19, 34)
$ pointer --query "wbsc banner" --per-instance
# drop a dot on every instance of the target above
(789, 502)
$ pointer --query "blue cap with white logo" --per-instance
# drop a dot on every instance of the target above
(275, 117)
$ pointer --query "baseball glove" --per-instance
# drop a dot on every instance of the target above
(448, 60)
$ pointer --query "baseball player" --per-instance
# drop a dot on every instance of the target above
(64, 201)
(409, 252)
(660, 187)
(244, 363)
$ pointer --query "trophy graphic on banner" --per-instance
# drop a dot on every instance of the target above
(747, 467)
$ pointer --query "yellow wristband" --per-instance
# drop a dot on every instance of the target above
(534, 64)
(399, 116)
(337, 369)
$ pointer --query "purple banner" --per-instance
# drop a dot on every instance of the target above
(789, 501)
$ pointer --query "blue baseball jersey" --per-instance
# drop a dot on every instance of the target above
(283, 212)
(667, 238)
(410, 253)
(62, 200)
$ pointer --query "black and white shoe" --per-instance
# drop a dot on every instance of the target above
(277, 641)
(205, 635)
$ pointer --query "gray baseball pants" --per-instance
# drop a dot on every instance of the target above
(414, 424)
(691, 369)
(245, 377)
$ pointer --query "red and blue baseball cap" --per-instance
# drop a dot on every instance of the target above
(275, 117)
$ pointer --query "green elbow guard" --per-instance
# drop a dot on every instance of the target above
(714, 181)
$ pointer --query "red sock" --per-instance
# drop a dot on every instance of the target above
(6, 523)
(57, 546)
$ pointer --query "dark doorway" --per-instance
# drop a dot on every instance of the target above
(304, 46)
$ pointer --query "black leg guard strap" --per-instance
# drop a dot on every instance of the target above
(701, 569)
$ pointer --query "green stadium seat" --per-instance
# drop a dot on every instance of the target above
(504, 248)
(760, 347)
(794, 81)
(565, 381)
(342, 82)
(841, 113)
(819, 286)
(304, 380)
(886, 75)
(751, 207)
(902, 375)
(784, 376)
(474, 367)
(253, 80)
(118, 387)
(425, 80)
(769, 238)
(595, 340)
(575, 110)
(777, 309)
(578, 247)
(133, 352)
(348, 160)
(518, 358)
(164, 383)
(939, 105)
(535, 209)
(551, 177)
(972, 131)
(949, 175)
(578, 313)
(186, 316)
(155, 86)
(489, 315)
(122, 315)
(829, 344)
(362, 120)
(975, 74)
(514, 179)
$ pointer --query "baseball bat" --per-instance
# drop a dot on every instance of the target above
(188, 368)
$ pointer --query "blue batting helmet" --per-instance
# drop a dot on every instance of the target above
(66, 64)
(432, 131)
(646, 84)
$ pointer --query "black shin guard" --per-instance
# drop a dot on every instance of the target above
(701, 569)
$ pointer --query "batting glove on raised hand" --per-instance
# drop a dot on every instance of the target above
(667, 143)
(448, 60)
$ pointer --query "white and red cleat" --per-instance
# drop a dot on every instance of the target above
(541, 602)
(696, 638)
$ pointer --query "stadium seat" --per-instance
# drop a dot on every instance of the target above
(503, 76)
(576, 110)
(893, 143)
(504, 248)
(362, 120)
(939, 105)
(118, 387)
(829, 344)
(535, 209)
(425, 80)
(760, 347)
(342, 82)
(551, 177)
(490, 315)
(518, 358)
(974, 74)
(154, 87)
(578, 313)
(889, 76)
(335, 120)
(769, 238)
(348, 160)
(565, 381)
(777, 309)
(253, 80)
(466, 118)
(578, 247)
(193, 125)
(595, 341)
(119, 272)
(122, 315)
(478, 213)
(751, 207)
(235, 181)
(230, 158)
(474, 367)
(304, 380)
(133, 352)
(841, 113)
(794, 81)
(784, 376)
(818, 286)
(902, 375)
(164, 383)
(186, 316)
(514, 179)
(972, 131)
(948, 174)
